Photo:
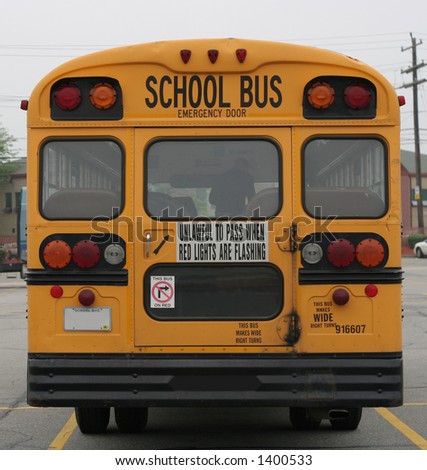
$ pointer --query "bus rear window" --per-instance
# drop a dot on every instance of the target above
(345, 178)
(212, 178)
(81, 179)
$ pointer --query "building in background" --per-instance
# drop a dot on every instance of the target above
(409, 203)
(10, 200)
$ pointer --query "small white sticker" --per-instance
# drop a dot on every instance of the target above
(162, 289)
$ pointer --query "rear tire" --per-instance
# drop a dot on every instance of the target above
(301, 420)
(350, 423)
(131, 420)
(92, 420)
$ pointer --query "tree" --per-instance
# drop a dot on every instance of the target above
(7, 165)
(6, 142)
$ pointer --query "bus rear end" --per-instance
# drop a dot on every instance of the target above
(214, 223)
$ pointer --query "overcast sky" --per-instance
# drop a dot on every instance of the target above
(38, 35)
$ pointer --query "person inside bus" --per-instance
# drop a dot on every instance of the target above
(233, 190)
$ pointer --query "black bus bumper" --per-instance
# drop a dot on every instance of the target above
(364, 380)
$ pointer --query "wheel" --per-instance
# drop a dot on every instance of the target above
(302, 421)
(92, 420)
(350, 423)
(131, 420)
(420, 253)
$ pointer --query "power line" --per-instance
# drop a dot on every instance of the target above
(415, 83)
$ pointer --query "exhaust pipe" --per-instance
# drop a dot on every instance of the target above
(338, 414)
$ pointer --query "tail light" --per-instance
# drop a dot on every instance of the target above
(341, 253)
(86, 98)
(67, 97)
(321, 95)
(57, 254)
(370, 253)
(339, 97)
(86, 254)
(357, 96)
(69, 251)
(103, 96)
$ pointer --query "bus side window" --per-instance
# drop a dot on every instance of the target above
(82, 204)
(344, 202)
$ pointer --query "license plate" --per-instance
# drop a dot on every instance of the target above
(87, 318)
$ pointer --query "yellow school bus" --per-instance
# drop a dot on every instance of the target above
(214, 223)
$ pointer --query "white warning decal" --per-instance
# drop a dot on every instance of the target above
(162, 290)
(222, 242)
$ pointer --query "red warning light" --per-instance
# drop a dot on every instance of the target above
(185, 55)
(213, 55)
(241, 55)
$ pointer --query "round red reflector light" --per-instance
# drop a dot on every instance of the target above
(357, 96)
(103, 96)
(57, 254)
(86, 254)
(341, 253)
(56, 292)
(67, 97)
(370, 253)
(87, 297)
(321, 95)
(340, 296)
(371, 290)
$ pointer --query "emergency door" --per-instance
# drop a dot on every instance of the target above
(212, 255)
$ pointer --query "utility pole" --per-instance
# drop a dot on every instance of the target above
(414, 85)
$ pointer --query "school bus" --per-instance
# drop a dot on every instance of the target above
(214, 222)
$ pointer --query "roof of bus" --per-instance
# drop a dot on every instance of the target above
(167, 53)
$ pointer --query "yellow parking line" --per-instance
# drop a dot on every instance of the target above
(413, 436)
(415, 404)
(10, 408)
(64, 434)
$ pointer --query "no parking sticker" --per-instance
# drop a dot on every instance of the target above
(162, 290)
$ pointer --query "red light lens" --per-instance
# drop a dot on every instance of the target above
(357, 96)
(56, 292)
(87, 297)
(340, 296)
(213, 55)
(67, 97)
(185, 55)
(86, 254)
(241, 55)
(341, 253)
(371, 290)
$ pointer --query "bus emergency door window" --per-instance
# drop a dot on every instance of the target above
(212, 178)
